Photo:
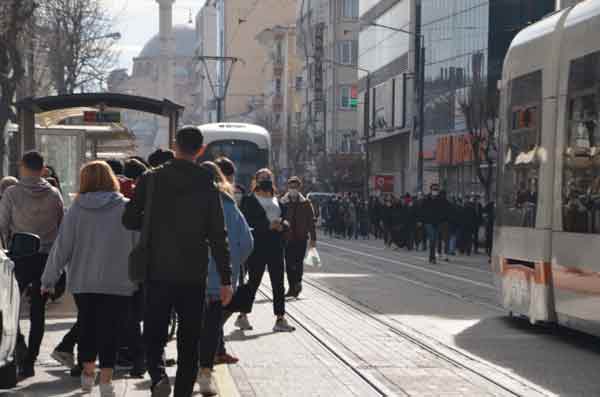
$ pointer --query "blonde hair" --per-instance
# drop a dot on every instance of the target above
(222, 183)
(97, 176)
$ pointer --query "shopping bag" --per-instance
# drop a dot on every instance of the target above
(312, 258)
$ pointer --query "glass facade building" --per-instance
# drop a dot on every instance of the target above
(465, 44)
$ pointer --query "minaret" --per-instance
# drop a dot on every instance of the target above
(166, 82)
(167, 48)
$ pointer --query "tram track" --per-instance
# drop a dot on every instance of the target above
(418, 283)
(379, 390)
(455, 357)
(452, 355)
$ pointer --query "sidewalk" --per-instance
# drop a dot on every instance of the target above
(54, 380)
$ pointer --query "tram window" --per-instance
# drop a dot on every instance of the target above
(518, 178)
(581, 166)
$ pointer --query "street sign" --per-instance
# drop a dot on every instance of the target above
(101, 117)
(384, 183)
(354, 97)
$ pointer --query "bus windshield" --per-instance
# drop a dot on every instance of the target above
(247, 156)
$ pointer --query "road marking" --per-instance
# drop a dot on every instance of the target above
(408, 265)
(410, 281)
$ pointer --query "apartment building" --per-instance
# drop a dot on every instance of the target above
(281, 99)
(466, 43)
(328, 44)
(387, 53)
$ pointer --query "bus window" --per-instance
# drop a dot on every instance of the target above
(581, 166)
(519, 173)
(247, 156)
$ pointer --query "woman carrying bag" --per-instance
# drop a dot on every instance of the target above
(94, 247)
(264, 215)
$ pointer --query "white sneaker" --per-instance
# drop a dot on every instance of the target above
(87, 382)
(282, 325)
(107, 390)
(243, 323)
(207, 384)
(64, 358)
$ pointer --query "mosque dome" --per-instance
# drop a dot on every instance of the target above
(185, 43)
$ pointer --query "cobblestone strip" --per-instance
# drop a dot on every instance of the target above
(403, 366)
(287, 364)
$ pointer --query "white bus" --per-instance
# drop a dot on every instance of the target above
(247, 145)
(547, 243)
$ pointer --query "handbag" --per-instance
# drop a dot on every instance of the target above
(140, 256)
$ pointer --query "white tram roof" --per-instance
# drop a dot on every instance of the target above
(242, 131)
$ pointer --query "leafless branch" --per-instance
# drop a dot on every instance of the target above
(75, 35)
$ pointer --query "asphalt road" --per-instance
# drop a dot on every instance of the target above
(454, 305)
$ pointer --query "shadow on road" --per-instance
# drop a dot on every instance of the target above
(563, 361)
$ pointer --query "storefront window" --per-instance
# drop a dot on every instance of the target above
(521, 152)
(581, 166)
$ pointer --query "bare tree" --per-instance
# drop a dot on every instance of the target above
(15, 16)
(480, 109)
(78, 38)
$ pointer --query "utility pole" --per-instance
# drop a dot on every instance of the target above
(367, 132)
(421, 93)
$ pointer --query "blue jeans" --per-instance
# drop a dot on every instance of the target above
(433, 233)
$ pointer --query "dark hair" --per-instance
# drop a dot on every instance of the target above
(134, 169)
(116, 165)
(189, 140)
(159, 157)
(227, 167)
(33, 161)
(141, 160)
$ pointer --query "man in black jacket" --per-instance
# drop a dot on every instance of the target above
(186, 216)
(435, 210)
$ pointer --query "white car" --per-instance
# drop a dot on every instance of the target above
(22, 245)
(9, 321)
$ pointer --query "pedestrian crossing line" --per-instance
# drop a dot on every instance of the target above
(410, 266)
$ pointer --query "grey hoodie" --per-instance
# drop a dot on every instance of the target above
(94, 247)
(32, 206)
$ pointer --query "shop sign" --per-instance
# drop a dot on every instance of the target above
(384, 183)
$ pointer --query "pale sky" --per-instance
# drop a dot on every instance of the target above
(137, 21)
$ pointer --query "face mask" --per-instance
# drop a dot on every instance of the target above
(435, 193)
(266, 185)
(293, 192)
(238, 197)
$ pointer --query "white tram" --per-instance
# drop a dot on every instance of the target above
(547, 243)
(247, 145)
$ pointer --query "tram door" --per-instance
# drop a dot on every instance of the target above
(65, 151)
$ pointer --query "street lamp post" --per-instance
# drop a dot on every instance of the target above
(420, 62)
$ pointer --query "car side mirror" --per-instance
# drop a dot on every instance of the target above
(24, 244)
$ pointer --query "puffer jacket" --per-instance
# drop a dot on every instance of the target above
(241, 244)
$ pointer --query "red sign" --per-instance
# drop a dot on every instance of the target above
(384, 183)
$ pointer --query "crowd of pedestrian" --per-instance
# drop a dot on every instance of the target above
(144, 242)
(448, 225)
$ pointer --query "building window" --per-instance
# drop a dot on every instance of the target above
(345, 55)
(349, 9)
(299, 81)
(277, 86)
(345, 97)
